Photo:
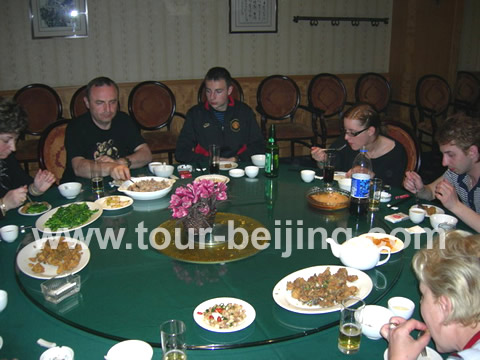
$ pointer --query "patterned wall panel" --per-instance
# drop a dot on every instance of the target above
(135, 40)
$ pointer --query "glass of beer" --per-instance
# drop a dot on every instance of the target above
(214, 158)
(350, 332)
(96, 179)
(375, 194)
(329, 168)
(172, 333)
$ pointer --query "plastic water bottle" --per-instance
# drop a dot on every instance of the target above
(361, 170)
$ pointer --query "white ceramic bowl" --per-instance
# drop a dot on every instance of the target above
(437, 219)
(307, 175)
(3, 300)
(130, 349)
(258, 160)
(148, 195)
(401, 306)
(385, 196)
(236, 173)
(58, 352)
(416, 215)
(345, 184)
(251, 171)
(70, 190)
(9, 233)
(153, 164)
(163, 170)
(373, 318)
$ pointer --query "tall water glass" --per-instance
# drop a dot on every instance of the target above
(214, 158)
(96, 178)
(329, 168)
(350, 331)
(172, 333)
(375, 193)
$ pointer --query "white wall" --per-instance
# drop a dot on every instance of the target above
(135, 40)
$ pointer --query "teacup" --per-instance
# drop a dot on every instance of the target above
(417, 215)
(3, 300)
(401, 306)
(307, 175)
(9, 233)
(251, 171)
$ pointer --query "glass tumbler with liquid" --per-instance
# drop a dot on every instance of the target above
(97, 179)
(214, 158)
(350, 331)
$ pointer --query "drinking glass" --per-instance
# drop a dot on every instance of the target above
(375, 194)
(350, 331)
(172, 333)
(329, 168)
(96, 178)
(214, 158)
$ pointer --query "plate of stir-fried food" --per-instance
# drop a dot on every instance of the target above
(320, 289)
(34, 208)
(69, 217)
(114, 202)
(395, 244)
(53, 257)
(147, 187)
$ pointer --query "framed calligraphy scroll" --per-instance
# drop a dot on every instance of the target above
(253, 16)
(59, 18)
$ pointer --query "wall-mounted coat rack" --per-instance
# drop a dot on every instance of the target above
(336, 20)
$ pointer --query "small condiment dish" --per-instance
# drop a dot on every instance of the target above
(70, 190)
(9, 233)
(251, 171)
(58, 353)
(385, 196)
(416, 215)
(307, 175)
(373, 318)
(258, 160)
(401, 306)
(3, 300)
(236, 173)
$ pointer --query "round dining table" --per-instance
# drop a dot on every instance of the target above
(129, 287)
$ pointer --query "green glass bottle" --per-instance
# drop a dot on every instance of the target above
(271, 155)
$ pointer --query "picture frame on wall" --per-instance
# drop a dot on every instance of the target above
(59, 18)
(253, 16)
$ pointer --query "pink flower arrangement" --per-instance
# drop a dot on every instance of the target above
(197, 199)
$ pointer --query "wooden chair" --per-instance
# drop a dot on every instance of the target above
(152, 105)
(405, 136)
(374, 89)
(467, 94)
(43, 107)
(278, 98)
(51, 149)
(237, 92)
(77, 105)
(327, 96)
(433, 97)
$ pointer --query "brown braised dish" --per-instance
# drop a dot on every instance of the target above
(328, 199)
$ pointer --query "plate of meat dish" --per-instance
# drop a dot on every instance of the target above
(304, 291)
(395, 244)
(147, 187)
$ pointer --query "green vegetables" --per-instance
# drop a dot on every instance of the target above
(69, 216)
(35, 207)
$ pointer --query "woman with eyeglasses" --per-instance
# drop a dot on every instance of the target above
(361, 125)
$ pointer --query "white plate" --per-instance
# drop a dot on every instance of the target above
(397, 247)
(337, 175)
(438, 209)
(146, 195)
(33, 248)
(40, 223)
(250, 311)
(431, 355)
(103, 202)
(227, 165)
(36, 214)
(284, 299)
(130, 349)
(214, 178)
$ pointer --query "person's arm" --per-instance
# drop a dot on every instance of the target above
(41, 183)
(140, 157)
(187, 141)
(13, 199)
(82, 168)
(413, 183)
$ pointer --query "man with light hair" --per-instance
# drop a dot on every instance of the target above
(458, 188)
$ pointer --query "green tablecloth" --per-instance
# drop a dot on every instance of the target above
(127, 293)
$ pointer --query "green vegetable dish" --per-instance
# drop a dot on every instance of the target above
(35, 207)
(69, 216)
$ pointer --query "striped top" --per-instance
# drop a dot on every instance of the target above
(460, 182)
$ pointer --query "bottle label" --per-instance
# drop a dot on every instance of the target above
(360, 185)
(268, 162)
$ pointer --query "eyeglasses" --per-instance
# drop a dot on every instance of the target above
(353, 133)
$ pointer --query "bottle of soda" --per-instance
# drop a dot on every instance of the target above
(361, 169)
(271, 155)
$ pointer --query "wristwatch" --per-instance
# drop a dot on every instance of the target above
(128, 162)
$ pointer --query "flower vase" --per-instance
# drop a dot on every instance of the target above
(199, 222)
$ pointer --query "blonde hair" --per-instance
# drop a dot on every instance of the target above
(451, 268)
